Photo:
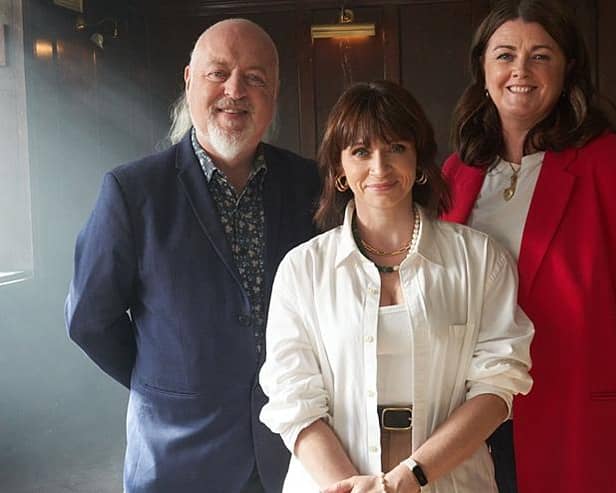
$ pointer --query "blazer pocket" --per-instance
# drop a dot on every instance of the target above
(603, 396)
(167, 392)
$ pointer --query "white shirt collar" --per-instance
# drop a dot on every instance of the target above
(529, 162)
(425, 246)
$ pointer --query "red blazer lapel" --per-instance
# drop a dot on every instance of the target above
(547, 206)
(465, 183)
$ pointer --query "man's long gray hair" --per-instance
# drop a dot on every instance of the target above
(180, 119)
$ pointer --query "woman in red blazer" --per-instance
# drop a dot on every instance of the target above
(535, 166)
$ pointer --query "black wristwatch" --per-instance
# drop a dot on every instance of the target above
(417, 471)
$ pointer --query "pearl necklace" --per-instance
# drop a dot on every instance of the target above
(361, 244)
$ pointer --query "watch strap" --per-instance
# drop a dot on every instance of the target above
(417, 471)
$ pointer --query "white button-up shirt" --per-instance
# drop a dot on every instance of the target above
(469, 337)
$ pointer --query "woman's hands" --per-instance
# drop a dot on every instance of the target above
(359, 484)
(398, 480)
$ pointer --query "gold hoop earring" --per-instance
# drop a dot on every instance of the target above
(342, 185)
(421, 178)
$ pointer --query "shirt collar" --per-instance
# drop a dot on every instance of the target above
(209, 167)
(425, 246)
(529, 162)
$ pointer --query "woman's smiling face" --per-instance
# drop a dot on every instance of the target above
(524, 72)
(380, 174)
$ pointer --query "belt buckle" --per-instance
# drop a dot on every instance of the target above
(407, 410)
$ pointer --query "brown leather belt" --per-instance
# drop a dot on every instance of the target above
(396, 434)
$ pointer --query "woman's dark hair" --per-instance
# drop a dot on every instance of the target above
(575, 119)
(368, 112)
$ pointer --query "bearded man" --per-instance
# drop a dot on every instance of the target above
(173, 272)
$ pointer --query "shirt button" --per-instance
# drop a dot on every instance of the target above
(371, 393)
(373, 290)
(369, 339)
(373, 449)
(244, 320)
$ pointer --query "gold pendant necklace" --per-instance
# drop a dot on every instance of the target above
(387, 269)
(509, 192)
(382, 253)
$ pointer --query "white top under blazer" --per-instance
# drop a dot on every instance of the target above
(469, 337)
(504, 220)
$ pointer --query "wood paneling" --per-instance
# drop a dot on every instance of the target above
(412, 37)
(586, 16)
(421, 43)
(305, 72)
(434, 47)
(606, 40)
(339, 63)
(390, 34)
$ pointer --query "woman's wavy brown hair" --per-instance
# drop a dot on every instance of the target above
(376, 111)
(575, 119)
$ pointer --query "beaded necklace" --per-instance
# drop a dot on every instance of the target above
(361, 245)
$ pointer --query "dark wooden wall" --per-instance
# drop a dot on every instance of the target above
(421, 44)
(605, 37)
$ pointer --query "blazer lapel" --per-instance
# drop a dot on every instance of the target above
(547, 206)
(465, 186)
(272, 204)
(194, 183)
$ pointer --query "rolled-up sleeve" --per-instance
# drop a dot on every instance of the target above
(291, 376)
(501, 359)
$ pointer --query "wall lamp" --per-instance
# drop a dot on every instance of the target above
(345, 28)
(74, 5)
(97, 38)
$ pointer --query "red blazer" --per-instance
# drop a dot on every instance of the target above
(565, 429)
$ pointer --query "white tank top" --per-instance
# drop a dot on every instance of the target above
(394, 371)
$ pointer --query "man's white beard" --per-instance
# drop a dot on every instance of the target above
(228, 144)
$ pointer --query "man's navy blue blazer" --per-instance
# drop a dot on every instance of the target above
(157, 302)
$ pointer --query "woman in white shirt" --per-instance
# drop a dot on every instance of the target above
(394, 341)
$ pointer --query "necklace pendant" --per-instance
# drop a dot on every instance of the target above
(508, 193)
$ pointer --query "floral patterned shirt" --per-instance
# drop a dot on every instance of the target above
(243, 220)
